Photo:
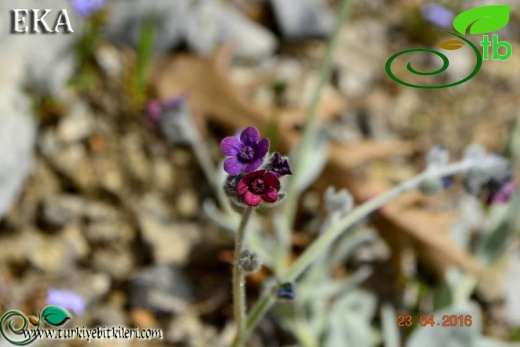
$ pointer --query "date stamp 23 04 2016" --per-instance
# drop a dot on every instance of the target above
(431, 320)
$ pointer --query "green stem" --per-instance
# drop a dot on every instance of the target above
(239, 292)
(335, 230)
(291, 203)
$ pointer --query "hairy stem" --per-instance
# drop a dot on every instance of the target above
(334, 231)
(290, 205)
(239, 287)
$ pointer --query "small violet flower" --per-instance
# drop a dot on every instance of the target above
(247, 154)
(87, 8)
(438, 15)
(67, 299)
(257, 186)
(279, 165)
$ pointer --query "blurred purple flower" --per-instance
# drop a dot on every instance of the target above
(67, 299)
(247, 154)
(438, 15)
(502, 193)
(153, 112)
(87, 8)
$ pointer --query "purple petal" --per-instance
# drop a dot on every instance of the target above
(438, 15)
(251, 199)
(67, 299)
(262, 148)
(252, 166)
(231, 146)
(232, 166)
(271, 195)
(250, 136)
(504, 195)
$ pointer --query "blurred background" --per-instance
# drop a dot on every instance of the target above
(110, 170)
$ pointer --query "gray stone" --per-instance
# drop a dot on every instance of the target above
(55, 253)
(303, 19)
(117, 260)
(169, 19)
(62, 209)
(203, 25)
(77, 125)
(170, 241)
(215, 22)
(161, 289)
(17, 137)
(48, 59)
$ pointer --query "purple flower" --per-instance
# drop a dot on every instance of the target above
(257, 186)
(86, 8)
(502, 193)
(438, 15)
(279, 165)
(153, 112)
(67, 299)
(247, 154)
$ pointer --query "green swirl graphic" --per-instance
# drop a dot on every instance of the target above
(445, 64)
(6, 322)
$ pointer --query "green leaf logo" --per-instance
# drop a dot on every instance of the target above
(483, 19)
(451, 45)
(55, 315)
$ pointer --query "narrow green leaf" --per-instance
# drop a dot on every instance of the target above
(482, 20)
(55, 315)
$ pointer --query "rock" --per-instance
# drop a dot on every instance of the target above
(62, 209)
(17, 137)
(188, 330)
(109, 315)
(215, 22)
(48, 60)
(161, 289)
(187, 203)
(126, 21)
(110, 61)
(77, 125)
(203, 25)
(135, 158)
(163, 174)
(55, 253)
(303, 20)
(117, 261)
(169, 240)
(106, 225)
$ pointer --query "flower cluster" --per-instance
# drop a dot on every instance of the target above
(248, 182)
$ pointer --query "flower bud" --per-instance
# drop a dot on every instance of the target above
(249, 262)
(286, 291)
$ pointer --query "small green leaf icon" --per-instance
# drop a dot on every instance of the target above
(55, 315)
(482, 20)
(451, 45)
